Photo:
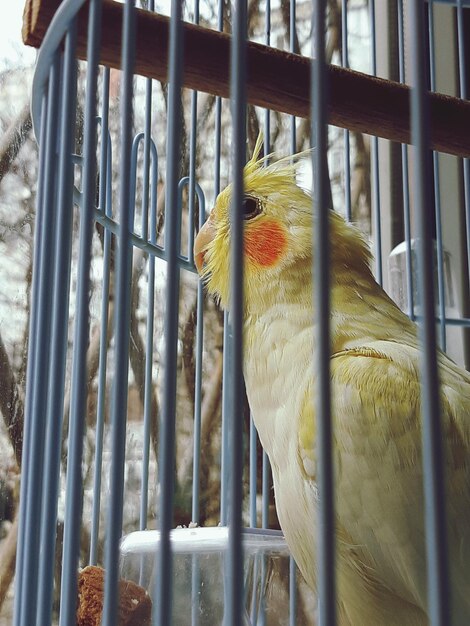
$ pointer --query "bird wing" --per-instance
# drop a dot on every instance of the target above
(376, 408)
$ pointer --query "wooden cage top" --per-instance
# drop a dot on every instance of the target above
(276, 79)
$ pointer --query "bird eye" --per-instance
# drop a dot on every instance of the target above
(251, 207)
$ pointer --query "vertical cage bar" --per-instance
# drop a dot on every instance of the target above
(192, 157)
(73, 505)
(265, 471)
(253, 473)
(20, 567)
(104, 205)
(198, 397)
(463, 94)
(198, 386)
(265, 467)
(33, 425)
(59, 325)
(404, 173)
(147, 141)
(435, 517)
(293, 149)
(265, 492)
(267, 39)
(346, 134)
(36, 479)
(437, 193)
(218, 112)
(163, 607)
(325, 539)
(292, 22)
(148, 395)
(224, 463)
(375, 159)
(226, 341)
(199, 314)
(122, 324)
(292, 592)
(238, 102)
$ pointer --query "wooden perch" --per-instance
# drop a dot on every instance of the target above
(276, 79)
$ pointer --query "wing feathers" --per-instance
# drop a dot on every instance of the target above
(376, 404)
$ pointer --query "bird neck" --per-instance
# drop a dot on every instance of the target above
(361, 311)
(281, 291)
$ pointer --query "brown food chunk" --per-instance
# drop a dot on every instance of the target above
(134, 607)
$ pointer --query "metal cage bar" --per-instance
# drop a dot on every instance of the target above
(346, 134)
(200, 302)
(60, 302)
(437, 193)
(433, 460)
(105, 205)
(321, 255)
(37, 395)
(265, 469)
(36, 480)
(404, 172)
(234, 609)
(23, 528)
(375, 161)
(73, 512)
(172, 238)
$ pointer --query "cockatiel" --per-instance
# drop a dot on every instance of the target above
(376, 405)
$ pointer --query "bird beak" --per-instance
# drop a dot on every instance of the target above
(203, 239)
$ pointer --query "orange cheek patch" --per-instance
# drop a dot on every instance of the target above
(265, 242)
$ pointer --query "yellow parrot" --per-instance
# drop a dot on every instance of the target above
(376, 405)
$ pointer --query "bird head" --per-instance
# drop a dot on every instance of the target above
(277, 220)
(277, 234)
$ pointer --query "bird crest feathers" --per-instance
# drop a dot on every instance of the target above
(281, 172)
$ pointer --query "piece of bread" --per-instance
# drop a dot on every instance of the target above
(134, 605)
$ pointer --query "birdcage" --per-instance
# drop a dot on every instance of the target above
(146, 496)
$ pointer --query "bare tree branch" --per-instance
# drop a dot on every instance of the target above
(11, 404)
(7, 559)
(137, 352)
(13, 139)
(334, 29)
(285, 10)
(188, 350)
(210, 412)
(92, 364)
(253, 128)
(206, 110)
(360, 184)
